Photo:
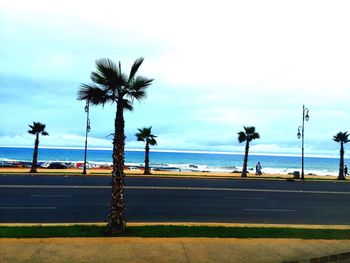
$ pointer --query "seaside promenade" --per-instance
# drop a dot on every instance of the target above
(106, 172)
(124, 249)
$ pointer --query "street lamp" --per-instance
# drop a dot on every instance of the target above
(88, 128)
(301, 134)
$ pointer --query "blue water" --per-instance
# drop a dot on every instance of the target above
(202, 161)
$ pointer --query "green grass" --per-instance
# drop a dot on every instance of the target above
(173, 231)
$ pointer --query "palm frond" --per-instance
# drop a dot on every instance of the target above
(242, 137)
(127, 105)
(342, 137)
(94, 95)
(97, 78)
(152, 141)
(248, 134)
(145, 134)
(106, 67)
(44, 133)
(108, 74)
(37, 127)
(122, 80)
(249, 129)
(255, 135)
(137, 88)
(140, 82)
(148, 131)
(135, 68)
(138, 95)
(139, 137)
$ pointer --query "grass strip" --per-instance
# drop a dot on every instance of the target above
(173, 231)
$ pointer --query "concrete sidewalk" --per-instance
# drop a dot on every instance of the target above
(172, 250)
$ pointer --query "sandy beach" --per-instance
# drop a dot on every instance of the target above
(106, 172)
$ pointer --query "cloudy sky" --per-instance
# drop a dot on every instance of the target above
(217, 65)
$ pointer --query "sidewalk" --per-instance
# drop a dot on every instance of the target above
(164, 174)
(172, 250)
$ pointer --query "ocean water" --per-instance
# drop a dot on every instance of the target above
(181, 160)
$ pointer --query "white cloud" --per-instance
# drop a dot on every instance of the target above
(54, 140)
(218, 65)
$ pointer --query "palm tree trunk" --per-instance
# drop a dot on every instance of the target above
(341, 163)
(35, 155)
(116, 222)
(147, 170)
(245, 162)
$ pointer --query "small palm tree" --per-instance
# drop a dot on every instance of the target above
(342, 138)
(36, 129)
(145, 135)
(247, 136)
(113, 86)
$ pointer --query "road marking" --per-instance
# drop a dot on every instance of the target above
(57, 186)
(270, 210)
(28, 208)
(177, 188)
(245, 198)
(236, 189)
(51, 195)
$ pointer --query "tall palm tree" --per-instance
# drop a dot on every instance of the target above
(247, 136)
(341, 137)
(36, 129)
(145, 135)
(110, 85)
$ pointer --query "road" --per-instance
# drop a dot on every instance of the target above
(85, 199)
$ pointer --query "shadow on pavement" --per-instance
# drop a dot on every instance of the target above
(342, 257)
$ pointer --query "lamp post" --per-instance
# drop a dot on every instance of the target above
(86, 132)
(301, 134)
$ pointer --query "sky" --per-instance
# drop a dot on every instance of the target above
(217, 66)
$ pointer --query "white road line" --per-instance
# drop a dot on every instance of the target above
(51, 195)
(177, 188)
(57, 186)
(270, 210)
(245, 198)
(28, 208)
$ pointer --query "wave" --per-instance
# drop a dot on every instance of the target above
(185, 167)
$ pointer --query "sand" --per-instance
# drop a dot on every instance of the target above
(106, 172)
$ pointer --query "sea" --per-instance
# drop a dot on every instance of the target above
(181, 161)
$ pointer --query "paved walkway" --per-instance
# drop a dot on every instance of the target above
(172, 250)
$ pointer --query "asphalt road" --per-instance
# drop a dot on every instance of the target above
(85, 199)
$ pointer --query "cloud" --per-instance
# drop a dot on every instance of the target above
(217, 65)
(55, 140)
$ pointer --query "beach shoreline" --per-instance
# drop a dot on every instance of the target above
(170, 161)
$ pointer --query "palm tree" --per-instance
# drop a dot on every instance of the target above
(36, 129)
(110, 85)
(145, 135)
(247, 136)
(341, 137)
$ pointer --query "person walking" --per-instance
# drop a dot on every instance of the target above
(258, 169)
(346, 170)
